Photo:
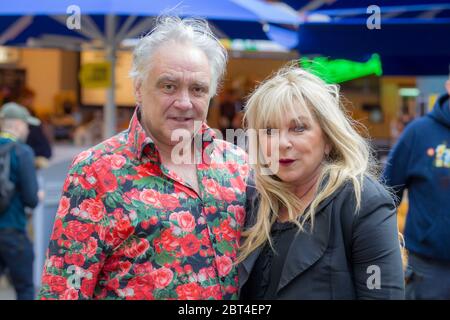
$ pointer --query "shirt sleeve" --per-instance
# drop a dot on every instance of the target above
(79, 242)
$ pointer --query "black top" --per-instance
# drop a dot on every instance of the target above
(351, 253)
(265, 278)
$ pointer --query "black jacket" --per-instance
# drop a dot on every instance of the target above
(341, 258)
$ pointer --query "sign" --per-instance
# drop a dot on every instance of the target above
(95, 75)
(341, 70)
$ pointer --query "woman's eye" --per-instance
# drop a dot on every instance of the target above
(269, 131)
(299, 128)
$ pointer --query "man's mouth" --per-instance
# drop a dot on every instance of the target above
(181, 119)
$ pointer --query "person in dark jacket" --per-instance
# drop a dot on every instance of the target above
(39, 138)
(16, 251)
(320, 226)
(420, 163)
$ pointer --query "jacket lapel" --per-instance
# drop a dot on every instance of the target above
(304, 251)
(306, 248)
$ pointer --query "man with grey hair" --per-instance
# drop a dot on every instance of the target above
(145, 214)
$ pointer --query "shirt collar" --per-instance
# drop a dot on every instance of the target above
(141, 143)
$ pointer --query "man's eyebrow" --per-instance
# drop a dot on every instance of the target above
(201, 84)
(166, 78)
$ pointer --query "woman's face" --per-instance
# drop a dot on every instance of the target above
(301, 147)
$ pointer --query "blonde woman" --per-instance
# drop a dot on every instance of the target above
(321, 226)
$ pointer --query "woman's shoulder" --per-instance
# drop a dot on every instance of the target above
(373, 194)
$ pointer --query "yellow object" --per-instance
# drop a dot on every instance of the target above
(95, 75)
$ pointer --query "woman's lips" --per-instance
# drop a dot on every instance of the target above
(286, 162)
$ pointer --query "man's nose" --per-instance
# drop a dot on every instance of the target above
(183, 100)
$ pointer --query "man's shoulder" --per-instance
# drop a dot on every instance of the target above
(227, 147)
(116, 145)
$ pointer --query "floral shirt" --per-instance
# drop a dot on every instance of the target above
(128, 228)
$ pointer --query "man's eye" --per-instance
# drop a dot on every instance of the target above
(199, 90)
(169, 87)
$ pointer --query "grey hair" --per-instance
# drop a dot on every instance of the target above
(187, 31)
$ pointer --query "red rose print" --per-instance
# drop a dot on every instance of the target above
(239, 213)
(212, 292)
(143, 268)
(169, 202)
(116, 161)
(64, 206)
(238, 184)
(57, 284)
(227, 194)
(67, 183)
(90, 249)
(210, 210)
(244, 170)
(136, 248)
(124, 267)
(123, 229)
(225, 232)
(74, 259)
(57, 262)
(168, 241)
(109, 181)
(212, 187)
(162, 277)
(70, 294)
(57, 229)
(78, 231)
(94, 208)
(190, 245)
(83, 156)
(87, 287)
(189, 291)
(133, 194)
(151, 197)
(186, 221)
(224, 265)
(85, 184)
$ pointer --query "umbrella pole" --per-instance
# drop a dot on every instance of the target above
(109, 115)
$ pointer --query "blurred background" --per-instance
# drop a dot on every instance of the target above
(68, 63)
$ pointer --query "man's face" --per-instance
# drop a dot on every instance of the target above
(176, 91)
(22, 129)
(447, 86)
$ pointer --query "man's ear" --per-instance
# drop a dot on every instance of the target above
(138, 91)
(447, 86)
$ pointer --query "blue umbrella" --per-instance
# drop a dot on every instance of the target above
(55, 23)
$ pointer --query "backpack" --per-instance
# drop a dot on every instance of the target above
(7, 188)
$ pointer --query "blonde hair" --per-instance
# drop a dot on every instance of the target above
(350, 158)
